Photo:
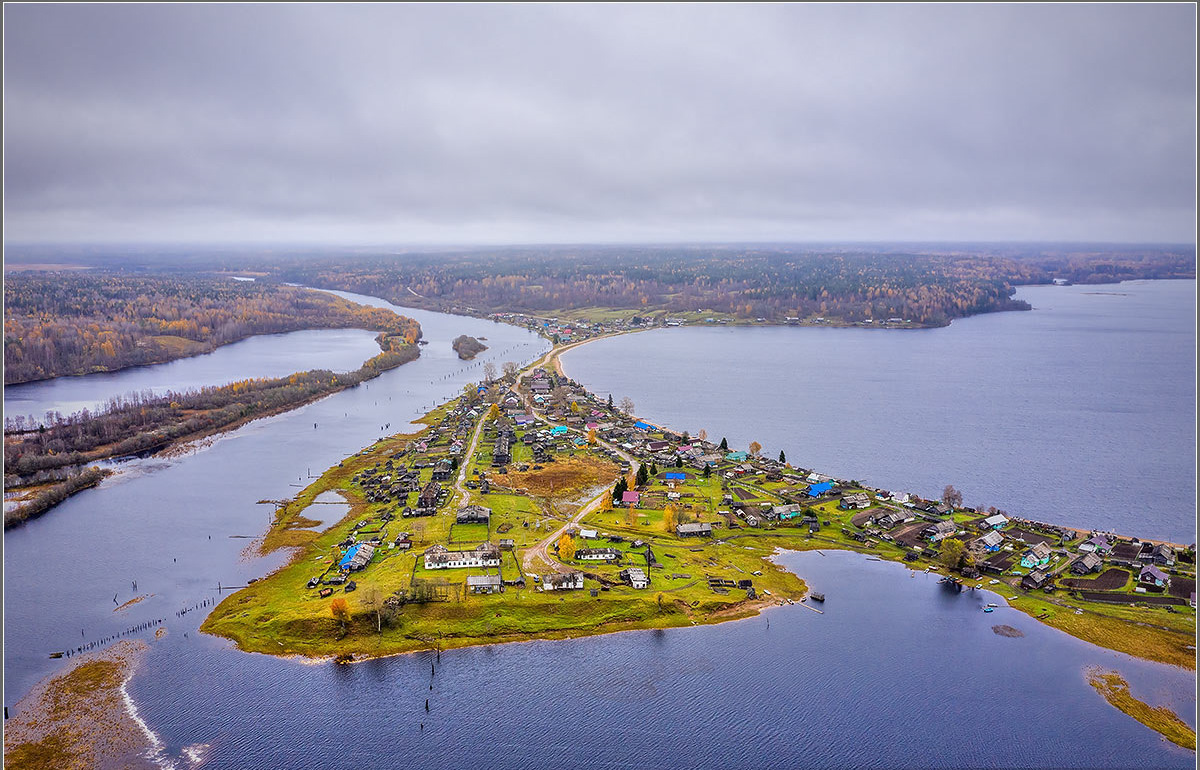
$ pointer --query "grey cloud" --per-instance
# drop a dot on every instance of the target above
(560, 122)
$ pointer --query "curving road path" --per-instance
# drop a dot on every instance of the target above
(541, 550)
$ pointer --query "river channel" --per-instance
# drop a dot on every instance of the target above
(895, 672)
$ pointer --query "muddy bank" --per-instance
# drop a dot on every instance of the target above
(81, 716)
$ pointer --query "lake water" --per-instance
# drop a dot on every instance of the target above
(179, 527)
(267, 355)
(1081, 412)
(895, 672)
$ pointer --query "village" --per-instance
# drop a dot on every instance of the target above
(532, 508)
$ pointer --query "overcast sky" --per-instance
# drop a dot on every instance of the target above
(565, 123)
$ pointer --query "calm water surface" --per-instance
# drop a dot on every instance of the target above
(1081, 412)
(895, 673)
(266, 355)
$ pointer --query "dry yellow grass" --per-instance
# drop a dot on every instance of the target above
(562, 477)
(77, 719)
(1161, 719)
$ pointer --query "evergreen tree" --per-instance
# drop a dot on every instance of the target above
(782, 456)
(724, 445)
(643, 475)
(610, 403)
(707, 470)
(678, 462)
(621, 488)
(653, 469)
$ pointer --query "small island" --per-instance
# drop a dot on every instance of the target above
(467, 347)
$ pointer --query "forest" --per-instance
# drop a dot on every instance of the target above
(928, 286)
(78, 322)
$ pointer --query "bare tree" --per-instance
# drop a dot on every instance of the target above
(373, 600)
(702, 434)
(626, 405)
(952, 497)
(489, 371)
(510, 369)
(755, 448)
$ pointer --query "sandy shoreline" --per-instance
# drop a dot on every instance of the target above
(81, 716)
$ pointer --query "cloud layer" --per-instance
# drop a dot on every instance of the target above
(552, 123)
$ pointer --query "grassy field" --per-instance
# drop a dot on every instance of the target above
(281, 614)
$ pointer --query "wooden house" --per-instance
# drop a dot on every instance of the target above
(1151, 575)
(990, 542)
(572, 581)
(1034, 580)
(635, 577)
(597, 554)
(698, 529)
(485, 584)
(429, 495)
(473, 514)
(1086, 564)
(855, 501)
(1037, 556)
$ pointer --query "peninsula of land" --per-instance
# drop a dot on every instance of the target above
(531, 509)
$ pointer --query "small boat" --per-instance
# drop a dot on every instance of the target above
(351, 586)
(56, 654)
(988, 609)
(993, 604)
(818, 597)
(326, 592)
(993, 582)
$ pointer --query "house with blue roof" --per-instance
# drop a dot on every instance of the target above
(640, 425)
(349, 557)
(816, 490)
(675, 476)
(736, 457)
(558, 430)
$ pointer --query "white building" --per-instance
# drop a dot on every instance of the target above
(440, 557)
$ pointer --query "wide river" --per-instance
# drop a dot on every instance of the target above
(1081, 412)
(894, 673)
(267, 355)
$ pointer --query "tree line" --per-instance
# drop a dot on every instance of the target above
(76, 322)
(53, 456)
(927, 287)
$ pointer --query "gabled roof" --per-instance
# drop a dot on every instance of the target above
(1153, 572)
(992, 539)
